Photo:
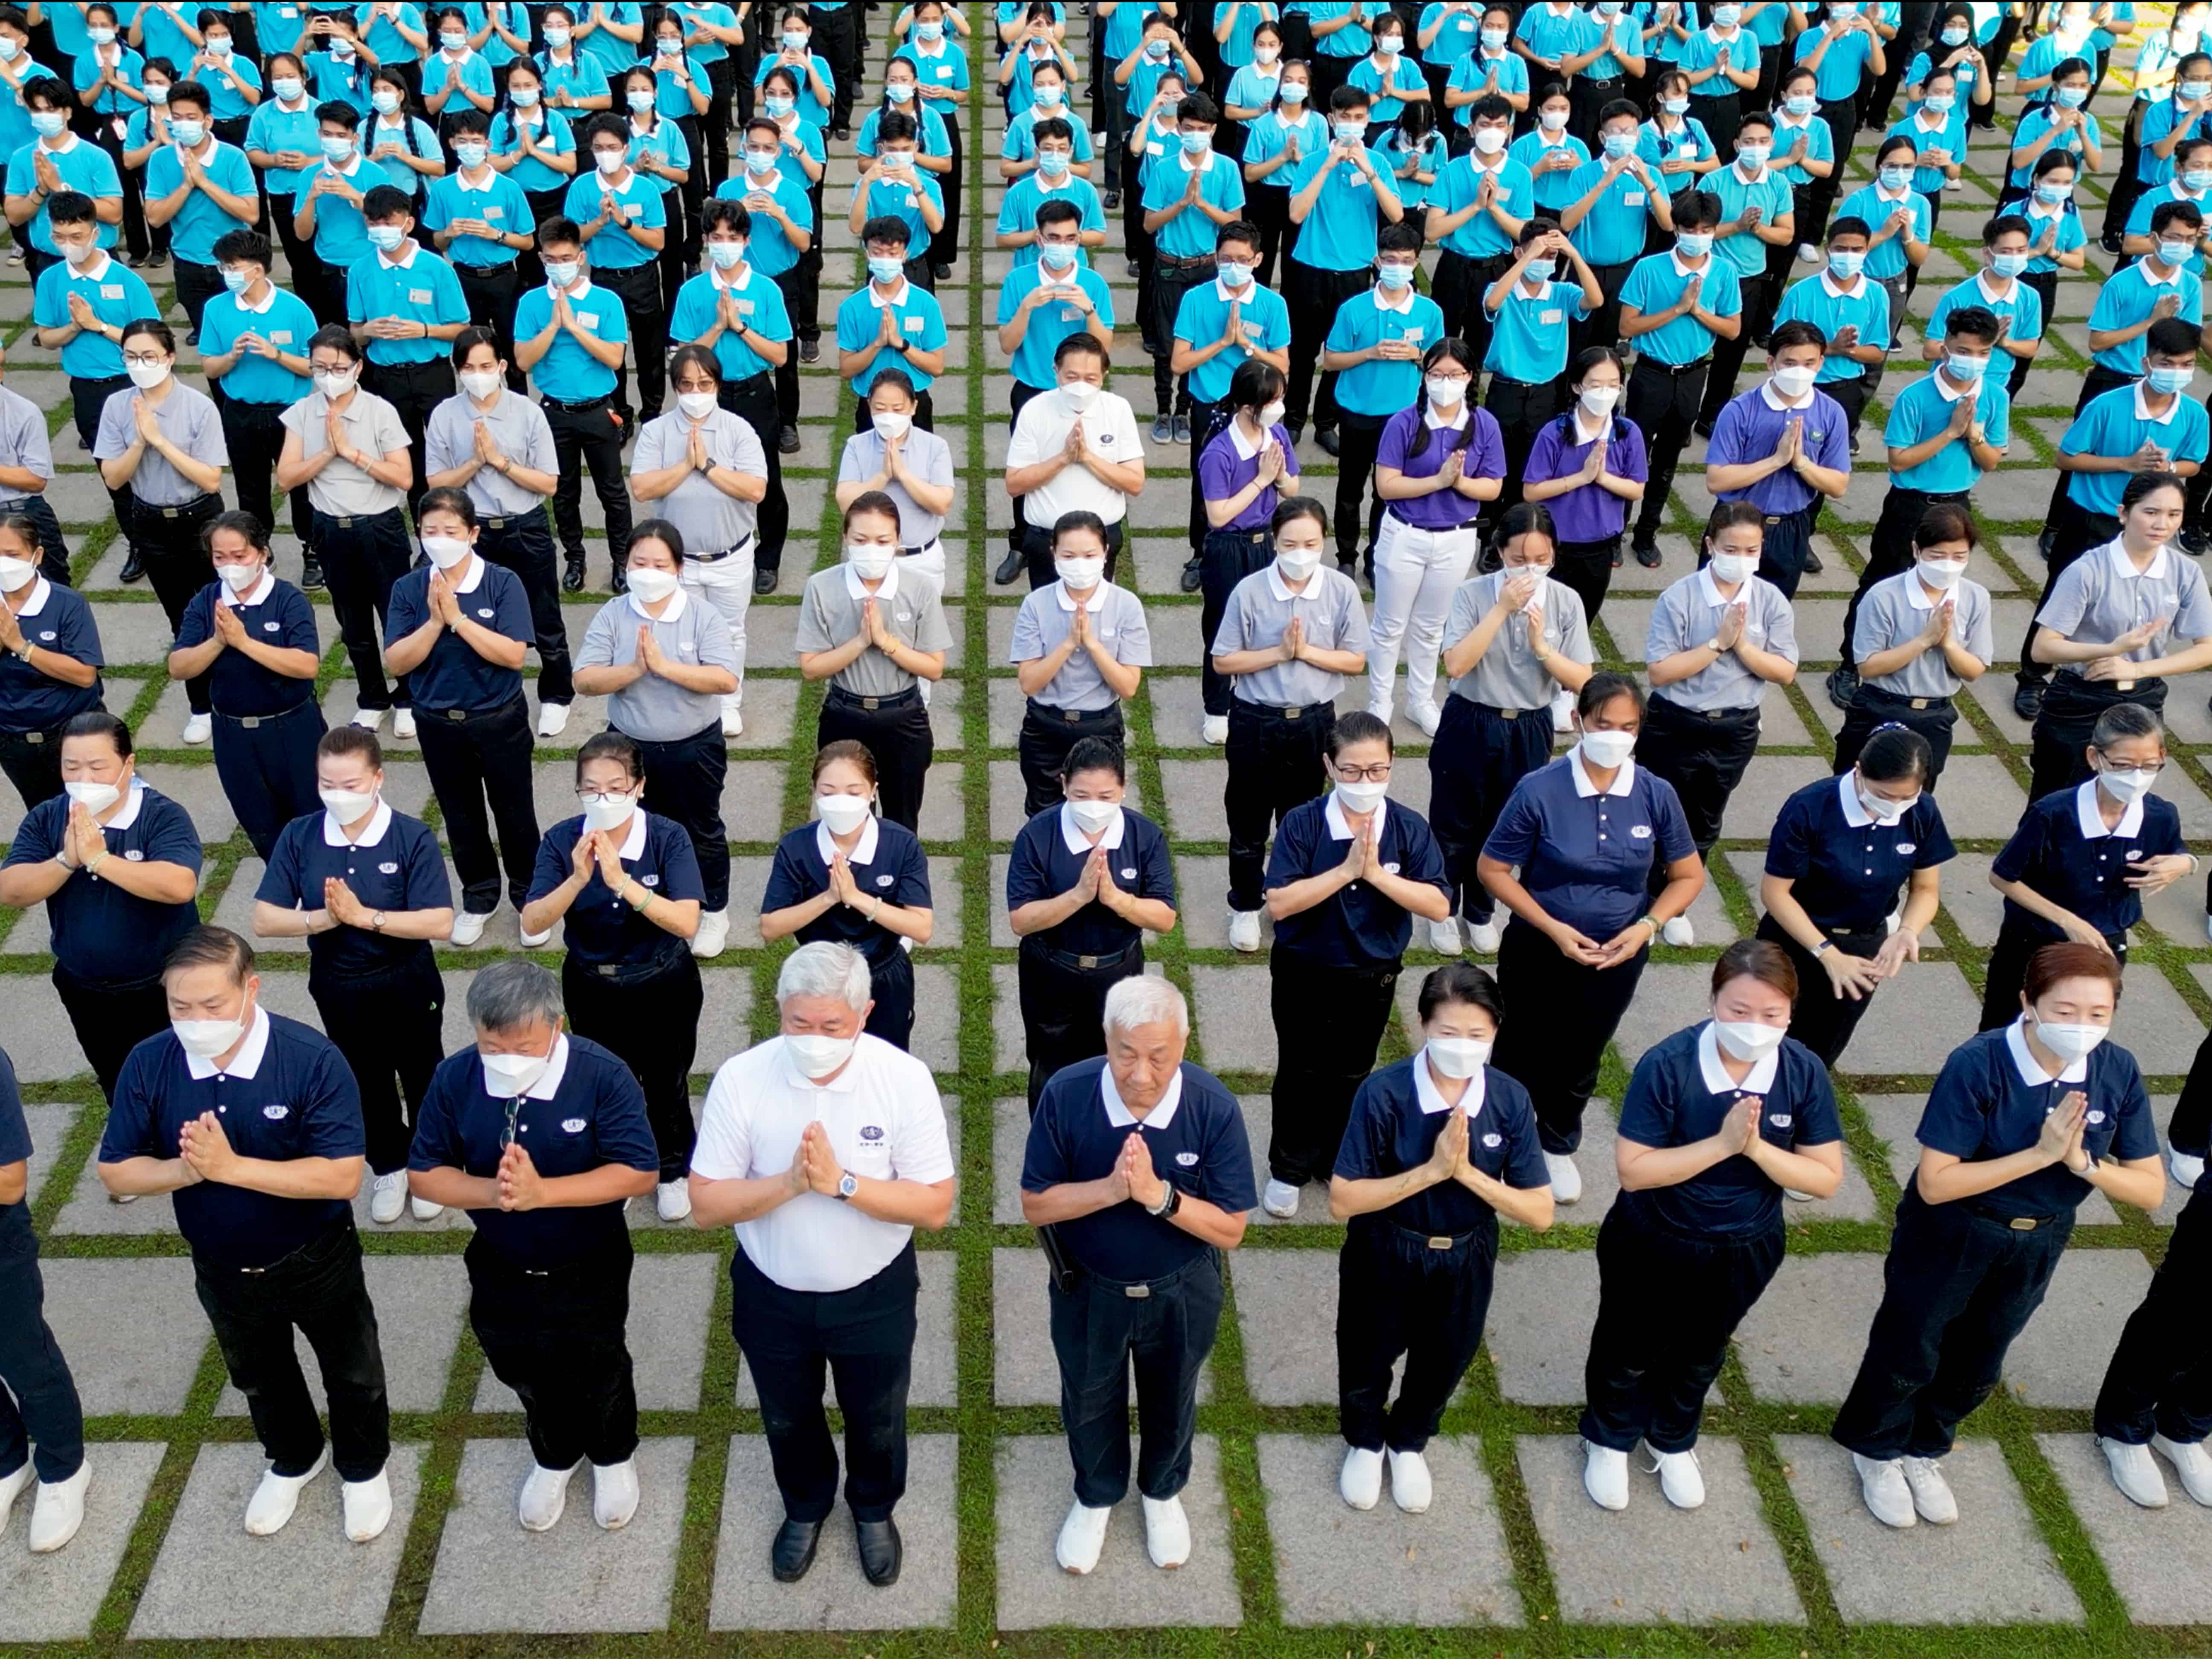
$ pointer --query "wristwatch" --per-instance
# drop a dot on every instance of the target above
(848, 1184)
(376, 921)
(1167, 1205)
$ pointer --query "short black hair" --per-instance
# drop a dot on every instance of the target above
(1692, 208)
(720, 213)
(1850, 225)
(1973, 323)
(241, 244)
(2174, 337)
(208, 946)
(71, 207)
(190, 92)
(1197, 106)
(1399, 238)
(99, 723)
(2168, 213)
(887, 228)
(1795, 332)
(1461, 981)
(386, 202)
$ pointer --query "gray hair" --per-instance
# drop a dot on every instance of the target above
(824, 968)
(510, 993)
(2123, 720)
(1146, 999)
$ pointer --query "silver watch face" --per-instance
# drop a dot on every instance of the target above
(848, 1184)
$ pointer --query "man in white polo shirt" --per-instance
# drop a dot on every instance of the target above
(826, 1148)
(1074, 450)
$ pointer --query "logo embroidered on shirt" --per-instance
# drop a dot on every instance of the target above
(1641, 832)
(1129, 874)
(1779, 1120)
(872, 1132)
(649, 881)
(387, 869)
(271, 627)
(1494, 1140)
(1908, 846)
(1185, 1158)
(571, 1126)
(885, 881)
(134, 856)
(484, 615)
(272, 1113)
(2096, 1117)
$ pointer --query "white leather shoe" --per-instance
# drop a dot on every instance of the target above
(544, 1495)
(2135, 1472)
(552, 719)
(2192, 1462)
(1932, 1497)
(1167, 1532)
(1680, 1481)
(1605, 1475)
(1244, 930)
(368, 719)
(714, 933)
(468, 928)
(367, 1507)
(199, 728)
(1359, 1482)
(1679, 932)
(402, 724)
(2188, 1169)
(387, 1196)
(277, 1496)
(58, 1510)
(734, 719)
(1411, 1489)
(614, 1494)
(1443, 937)
(1566, 1180)
(673, 1199)
(1426, 716)
(1484, 938)
(1215, 729)
(1281, 1199)
(536, 941)
(1882, 1483)
(14, 1487)
(423, 1210)
(1082, 1535)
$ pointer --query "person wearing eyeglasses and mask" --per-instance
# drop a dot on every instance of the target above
(2024, 1121)
(1079, 649)
(540, 1134)
(1719, 1119)
(1784, 449)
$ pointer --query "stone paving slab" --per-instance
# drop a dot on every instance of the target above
(420, 1302)
(2060, 1359)
(935, 1380)
(1801, 1344)
(1540, 1315)
(133, 1332)
(307, 1581)
(491, 1576)
(834, 1595)
(49, 1127)
(2158, 1560)
(55, 1598)
(1334, 1566)
(669, 1299)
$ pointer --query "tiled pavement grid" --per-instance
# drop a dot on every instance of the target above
(1512, 1559)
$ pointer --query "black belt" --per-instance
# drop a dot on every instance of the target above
(887, 700)
(503, 522)
(1086, 963)
(2019, 1224)
(470, 268)
(743, 542)
(1714, 715)
(254, 722)
(1272, 712)
(348, 520)
(581, 407)
(1672, 371)
(1435, 1240)
(1249, 537)
(179, 511)
(1507, 714)
(915, 552)
(1875, 694)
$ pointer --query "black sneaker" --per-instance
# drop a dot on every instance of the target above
(1813, 566)
(1193, 575)
(157, 258)
(2027, 699)
(1646, 555)
(132, 569)
(1113, 200)
(1009, 567)
(840, 133)
(1703, 429)
(1183, 429)
(1325, 437)
(1297, 429)
(786, 440)
(764, 579)
(310, 569)
(810, 351)
(942, 269)
(1163, 429)
(2196, 544)
(2044, 543)
(1843, 686)
(571, 577)
(2111, 242)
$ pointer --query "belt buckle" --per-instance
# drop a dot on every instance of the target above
(2023, 1223)
(1509, 714)
(607, 969)
(1072, 716)
(1440, 1242)
(871, 703)
(1086, 962)
(1136, 1292)
(34, 737)
(256, 1271)
(1293, 713)
(456, 714)
(2123, 685)
(251, 722)
(1920, 702)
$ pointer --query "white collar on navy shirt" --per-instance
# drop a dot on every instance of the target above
(549, 1080)
(1072, 838)
(37, 601)
(676, 601)
(633, 845)
(1758, 1081)
(885, 591)
(1430, 1100)
(864, 850)
(1774, 400)
(334, 833)
(474, 579)
(257, 594)
(246, 1063)
(1339, 827)
(1122, 1117)
(2091, 821)
(132, 801)
(2142, 406)
(1623, 780)
(2123, 567)
(2030, 1069)
(1855, 812)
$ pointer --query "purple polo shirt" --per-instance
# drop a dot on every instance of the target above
(1224, 469)
(1446, 509)
(1749, 428)
(1586, 514)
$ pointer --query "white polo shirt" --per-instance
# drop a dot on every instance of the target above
(1109, 429)
(885, 1122)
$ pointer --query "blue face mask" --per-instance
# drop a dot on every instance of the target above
(2072, 97)
(1395, 277)
(2196, 180)
(1801, 105)
(1197, 143)
(1846, 262)
(1618, 144)
(236, 281)
(385, 238)
(931, 33)
(1292, 92)
(1694, 244)
(1351, 132)
(1390, 45)
(1940, 103)
(2007, 265)
(2168, 381)
(1969, 370)
(1753, 156)
(885, 269)
(1896, 178)
(1954, 37)
(2052, 195)
(1675, 105)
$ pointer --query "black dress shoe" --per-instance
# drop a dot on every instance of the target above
(1703, 429)
(1326, 437)
(810, 351)
(1193, 575)
(2027, 699)
(840, 133)
(942, 269)
(1813, 566)
(1843, 686)
(1113, 200)
(1647, 555)
(880, 1552)
(793, 1552)
(572, 578)
(786, 440)
(1009, 567)
(133, 570)
(311, 570)
(763, 580)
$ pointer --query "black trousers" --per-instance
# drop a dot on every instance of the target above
(1889, 553)
(1668, 1304)
(2160, 1380)
(1477, 756)
(111, 1020)
(1227, 556)
(523, 544)
(2057, 757)
(2074, 530)
(470, 755)
(1587, 568)
(839, 42)
(1721, 116)
(589, 434)
(33, 762)
(890, 987)
(1064, 1005)
(413, 389)
(1850, 396)
(1664, 402)
(558, 1336)
(1521, 410)
(1170, 284)
(1268, 207)
(492, 292)
(254, 434)
(649, 1021)
(1397, 1293)
(753, 401)
(196, 286)
(267, 766)
(1958, 1286)
(1315, 297)
(896, 728)
(1602, 325)
(1756, 317)
(1207, 422)
(319, 1291)
(1036, 551)
(390, 1027)
(640, 288)
(1821, 1019)
(2191, 1131)
(1782, 557)
(38, 1402)
(2017, 942)
(1329, 1020)
(864, 1336)
(1704, 757)
(87, 397)
(2098, 380)
(1274, 764)
(1872, 708)
(1460, 284)
(177, 566)
(685, 779)
(1557, 1060)
(1047, 735)
(361, 559)
(1102, 1331)
(1359, 438)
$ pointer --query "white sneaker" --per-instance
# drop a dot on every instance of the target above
(387, 1197)
(544, 1495)
(1679, 932)
(1281, 1199)
(1215, 729)
(368, 719)
(367, 1507)
(1082, 1535)
(1680, 1481)
(1381, 711)
(1882, 1483)
(552, 719)
(2188, 1169)
(1605, 1476)
(733, 721)
(402, 724)
(2135, 1472)
(714, 933)
(2190, 1461)
(673, 1199)
(1443, 937)
(1566, 1180)
(199, 728)
(1359, 1482)
(1410, 1485)
(614, 1494)
(423, 1210)
(1808, 254)
(1794, 1196)
(1484, 938)
(277, 1496)
(1931, 1491)
(15, 1486)
(468, 928)
(1244, 930)
(1563, 712)
(1425, 716)
(536, 941)
(1167, 1532)
(58, 1510)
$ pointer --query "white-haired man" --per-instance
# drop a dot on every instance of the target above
(826, 1148)
(1138, 1166)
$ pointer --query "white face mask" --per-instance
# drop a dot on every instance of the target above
(2069, 1042)
(1094, 817)
(15, 573)
(815, 1055)
(1081, 575)
(1942, 573)
(842, 814)
(1361, 796)
(208, 1037)
(445, 552)
(1446, 391)
(507, 1076)
(1883, 811)
(892, 424)
(335, 383)
(147, 376)
(1079, 393)
(1296, 563)
(1733, 567)
(698, 405)
(1271, 416)
(1458, 1056)
(1488, 141)
(1745, 1039)
(1607, 749)
(349, 806)
(2124, 784)
(95, 798)
(606, 810)
(238, 577)
(1600, 400)
(481, 383)
(1795, 382)
(652, 586)
(871, 564)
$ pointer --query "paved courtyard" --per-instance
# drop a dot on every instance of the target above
(1513, 1560)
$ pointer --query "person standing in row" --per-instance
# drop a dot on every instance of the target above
(1851, 311)
(1079, 649)
(1221, 326)
(1247, 470)
(622, 227)
(1785, 449)
(1757, 226)
(50, 663)
(406, 307)
(254, 345)
(1077, 451)
(1588, 468)
(1923, 635)
(1376, 351)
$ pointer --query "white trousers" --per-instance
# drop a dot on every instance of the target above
(726, 584)
(1415, 574)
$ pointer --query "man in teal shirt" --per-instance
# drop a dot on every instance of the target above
(1187, 201)
(1757, 229)
(404, 305)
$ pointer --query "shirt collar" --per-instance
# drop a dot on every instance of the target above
(1431, 1099)
(1855, 812)
(405, 262)
(268, 302)
(334, 833)
(1276, 586)
(133, 800)
(2123, 567)
(1244, 452)
(474, 579)
(90, 273)
(1068, 602)
(883, 594)
(1709, 588)
(257, 594)
(1984, 278)
(2091, 821)
(1339, 827)
(1773, 399)
(1915, 591)
(1384, 303)
(1828, 281)
(676, 601)
(1623, 781)
(491, 180)
(246, 1063)
(38, 599)
(1761, 1079)
(556, 1069)
(1946, 391)
(864, 850)
(2143, 267)
(1675, 259)
(894, 301)
(1072, 838)
(633, 846)
(1458, 422)
(2030, 1069)
(1759, 178)
(2142, 406)
(1122, 1117)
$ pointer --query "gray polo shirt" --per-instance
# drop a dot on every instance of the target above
(1689, 614)
(1260, 610)
(343, 489)
(1046, 617)
(1507, 675)
(829, 614)
(928, 456)
(518, 426)
(650, 708)
(2100, 597)
(187, 419)
(23, 439)
(1895, 610)
(712, 522)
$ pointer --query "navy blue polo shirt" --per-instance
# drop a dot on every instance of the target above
(2061, 850)
(1355, 926)
(240, 686)
(1680, 1094)
(16, 1237)
(1985, 1105)
(887, 860)
(394, 866)
(292, 1096)
(1846, 866)
(31, 700)
(102, 934)
(1396, 1117)
(1196, 1138)
(1586, 857)
(1044, 866)
(452, 676)
(603, 931)
(582, 1116)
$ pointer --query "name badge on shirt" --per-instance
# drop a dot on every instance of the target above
(274, 1113)
(1070, 315)
(111, 290)
(1413, 336)
(1687, 151)
(588, 321)
(944, 71)
(1634, 198)
(418, 296)
(280, 336)
(631, 209)
(914, 324)
(1551, 319)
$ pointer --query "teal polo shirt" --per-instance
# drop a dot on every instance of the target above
(285, 322)
(1028, 193)
(760, 302)
(1205, 313)
(611, 249)
(200, 224)
(2151, 201)
(567, 373)
(272, 128)
(1529, 336)
(1769, 192)
(1381, 387)
(2129, 296)
(1922, 411)
(1389, 102)
(1190, 233)
(1054, 321)
(83, 167)
(1459, 185)
(1551, 34)
(1687, 142)
(1657, 284)
(1473, 72)
(502, 204)
(1819, 146)
(1817, 302)
(118, 295)
(2117, 424)
(1352, 40)
(1703, 50)
(1886, 260)
(902, 198)
(769, 250)
(1553, 189)
(1949, 135)
(2020, 311)
(341, 233)
(1847, 55)
(860, 317)
(1612, 233)
(1020, 143)
(424, 290)
(1339, 234)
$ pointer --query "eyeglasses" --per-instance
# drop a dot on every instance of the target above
(2118, 764)
(1378, 773)
(143, 359)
